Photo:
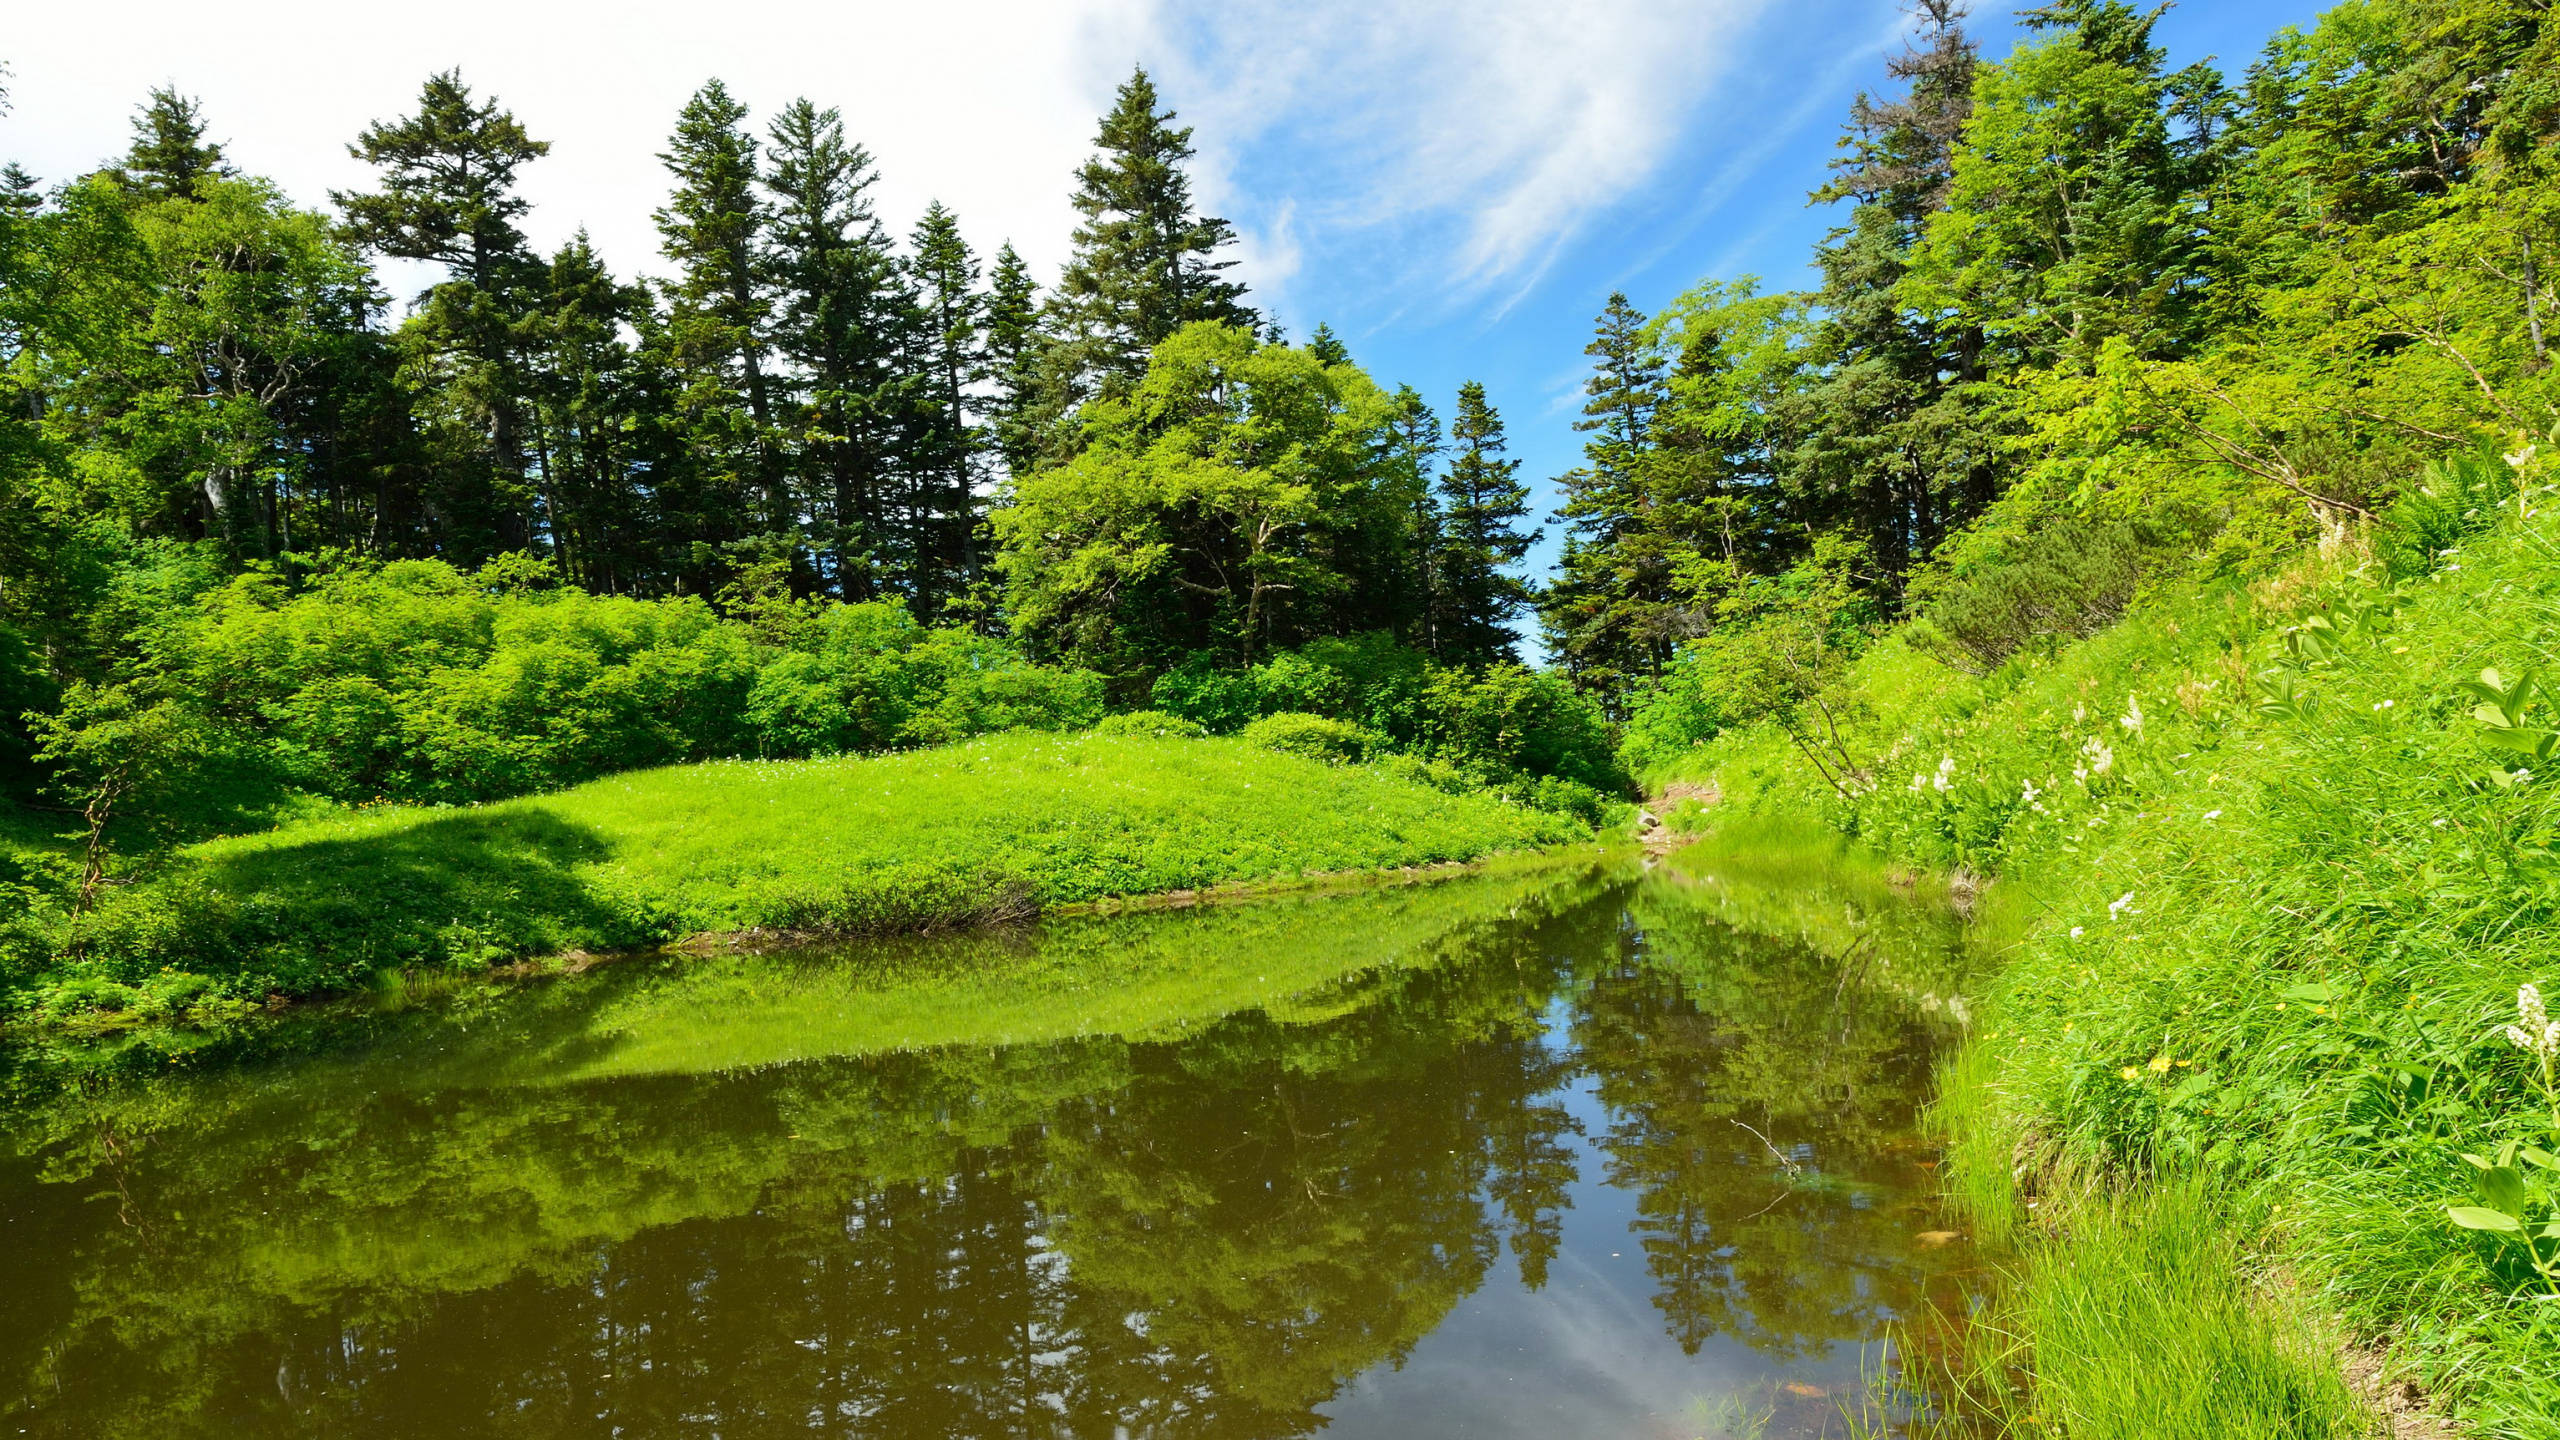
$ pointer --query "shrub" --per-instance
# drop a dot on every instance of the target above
(1336, 742)
(2067, 580)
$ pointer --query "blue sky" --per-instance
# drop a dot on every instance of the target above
(1454, 185)
(1723, 197)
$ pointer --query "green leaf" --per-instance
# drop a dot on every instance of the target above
(2541, 1157)
(2309, 994)
(2536, 743)
(2503, 1187)
(2472, 1217)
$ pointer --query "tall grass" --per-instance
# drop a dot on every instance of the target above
(999, 827)
(2140, 1322)
(2272, 942)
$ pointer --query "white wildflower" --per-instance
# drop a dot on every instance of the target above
(1919, 781)
(2539, 1034)
(2100, 757)
(1956, 1007)
(2120, 902)
(2079, 713)
(2131, 720)
(2213, 814)
(2027, 791)
(2076, 932)
(1946, 774)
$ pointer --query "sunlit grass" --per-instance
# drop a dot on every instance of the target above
(1001, 827)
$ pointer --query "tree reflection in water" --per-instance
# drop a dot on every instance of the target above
(462, 1218)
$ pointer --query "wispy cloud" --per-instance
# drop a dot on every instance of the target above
(1475, 137)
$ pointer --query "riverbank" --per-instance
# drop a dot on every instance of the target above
(999, 828)
(2282, 864)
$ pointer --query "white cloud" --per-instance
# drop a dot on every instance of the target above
(1451, 143)
(1478, 135)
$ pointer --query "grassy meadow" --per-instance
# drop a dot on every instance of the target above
(2276, 860)
(1000, 827)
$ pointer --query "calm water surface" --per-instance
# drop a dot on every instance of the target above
(1563, 1152)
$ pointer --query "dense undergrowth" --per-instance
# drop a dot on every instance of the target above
(999, 827)
(2287, 860)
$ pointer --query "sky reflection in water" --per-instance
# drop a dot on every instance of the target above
(1487, 1157)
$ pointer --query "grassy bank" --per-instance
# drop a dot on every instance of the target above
(2283, 866)
(1000, 827)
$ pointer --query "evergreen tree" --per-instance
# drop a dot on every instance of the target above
(952, 358)
(1889, 441)
(720, 311)
(169, 153)
(1602, 612)
(592, 434)
(1409, 590)
(1327, 346)
(1144, 264)
(1482, 502)
(448, 196)
(20, 192)
(1014, 347)
(842, 320)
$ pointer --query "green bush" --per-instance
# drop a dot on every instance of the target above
(2066, 580)
(1313, 737)
(414, 680)
(1497, 723)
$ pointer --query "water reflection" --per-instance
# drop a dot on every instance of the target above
(1542, 1153)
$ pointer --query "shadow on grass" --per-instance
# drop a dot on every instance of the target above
(464, 889)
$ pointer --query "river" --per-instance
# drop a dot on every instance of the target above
(1576, 1148)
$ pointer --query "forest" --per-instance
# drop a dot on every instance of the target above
(2148, 512)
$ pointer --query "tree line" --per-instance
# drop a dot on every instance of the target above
(2085, 319)
(803, 400)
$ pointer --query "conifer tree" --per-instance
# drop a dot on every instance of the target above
(952, 358)
(1014, 346)
(1481, 505)
(1601, 612)
(842, 318)
(20, 192)
(169, 153)
(721, 314)
(1145, 264)
(1327, 346)
(590, 426)
(1889, 441)
(448, 196)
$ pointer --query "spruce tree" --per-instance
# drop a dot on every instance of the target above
(1888, 441)
(20, 192)
(169, 153)
(448, 187)
(1014, 350)
(448, 196)
(1145, 264)
(1327, 346)
(951, 358)
(720, 316)
(1603, 612)
(1482, 502)
(842, 320)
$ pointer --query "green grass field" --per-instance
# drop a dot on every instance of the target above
(995, 828)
